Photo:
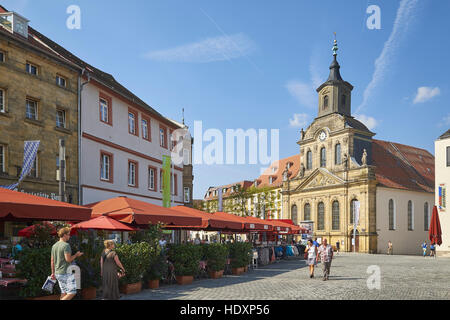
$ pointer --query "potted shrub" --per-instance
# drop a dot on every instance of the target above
(156, 271)
(135, 259)
(34, 266)
(240, 254)
(185, 258)
(216, 255)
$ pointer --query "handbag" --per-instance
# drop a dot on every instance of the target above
(49, 284)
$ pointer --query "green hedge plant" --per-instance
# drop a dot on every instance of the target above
(216, 255)
(135, 258)
(240, 254)
(185, 258)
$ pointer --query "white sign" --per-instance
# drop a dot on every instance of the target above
(252, 226)
(266, 227)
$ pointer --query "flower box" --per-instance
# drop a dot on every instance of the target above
(238, 271)
(184, 279)
(215, 274)
(131, 288)
(89, 293)
(153, 284)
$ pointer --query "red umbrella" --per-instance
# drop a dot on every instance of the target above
(435, 233)
(28, 231)
(103, 223)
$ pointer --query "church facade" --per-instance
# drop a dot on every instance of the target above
(344, 171)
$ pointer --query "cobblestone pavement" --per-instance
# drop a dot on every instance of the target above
(402, 277)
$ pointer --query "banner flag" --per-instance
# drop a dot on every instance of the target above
(166, 181)
(220, 200)
(29, 154)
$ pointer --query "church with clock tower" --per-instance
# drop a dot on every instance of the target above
(343, 171)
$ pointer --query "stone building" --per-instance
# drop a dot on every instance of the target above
(343, 168)
(38, 101)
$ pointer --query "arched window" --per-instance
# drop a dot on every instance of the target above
(323, 157)
(343, 97)
(410, 216)
(391, 215)
(325, 102)
(335, 216)
(352, 208)
(426, 222)
(337, 154)
(294, 214)
(309, 160)
(307, 212)
(320, 216)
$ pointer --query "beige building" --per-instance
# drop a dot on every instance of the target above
(343, 168)
(442, 153)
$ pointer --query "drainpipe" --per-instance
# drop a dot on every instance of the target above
(80, 89)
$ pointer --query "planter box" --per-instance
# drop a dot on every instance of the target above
(89, 293)
(131, 288)
(245, 268)
(185, 279)
(52, 297)
(153, 284)
(215, 274)
(238, 271)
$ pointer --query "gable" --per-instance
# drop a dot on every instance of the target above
(318, 179)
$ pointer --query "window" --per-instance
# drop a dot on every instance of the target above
(161, 184)
(270, 180)
(410, 216)
(2, 100)
(325, 102)
(309, 160)
(173, 184)
(60, 81)
(187, 194)
(323, 157)
(320, 216)
(337, 154)
(294, 217)
(132, 122)
(145, 124)
(32, 110)
(352, 206)
(2, 56)
(31, 68)
(2, 158)
(132, 173)
(162, 137)
(152, 179)
(426, 220)
(335, 216)
(343, 98)
(307, 212)
(106, 166)
(448, 156)
(105, 105)
(60, 118)
(391, 215)
(34, 167)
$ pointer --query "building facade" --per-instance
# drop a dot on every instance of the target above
(442, 153)
(38, 101)
(356, 190)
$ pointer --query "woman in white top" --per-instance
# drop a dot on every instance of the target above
(311, 249)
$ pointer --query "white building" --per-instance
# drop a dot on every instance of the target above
(442, 155)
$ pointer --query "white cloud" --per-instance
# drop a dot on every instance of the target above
(300, 120)
(370, 122)
(445, 121)
(403, 19)
(208, 50)
(426, 93)
(303, 92)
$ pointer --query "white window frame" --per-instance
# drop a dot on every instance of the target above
(105, 168)
(132, 174)
(35, 166)
(2, 159)
(162, 136)
(29, 67)
(64, 117)
(151, 179)
(36, 108)
(59, 80)
(2, 100)
(144, 124)
(131, 123)
(104, 110)
(187, 195)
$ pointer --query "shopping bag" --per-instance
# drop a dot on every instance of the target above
(49, 284)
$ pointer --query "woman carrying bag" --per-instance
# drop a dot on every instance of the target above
(109, 262)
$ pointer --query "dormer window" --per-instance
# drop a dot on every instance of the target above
(14, 23)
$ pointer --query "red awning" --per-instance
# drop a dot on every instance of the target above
(30, 230)
(142, 213)
(19, 206)
(103, 223)
(210, 221)
(258, 224)
(435, 232)
(247, 224)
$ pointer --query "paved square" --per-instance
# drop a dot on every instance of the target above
(402, 277)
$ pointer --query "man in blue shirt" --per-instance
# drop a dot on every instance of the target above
(16, 249)
(316, 243)
(424, 247)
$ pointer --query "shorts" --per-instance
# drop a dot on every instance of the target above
(67, 283)
(311, 261)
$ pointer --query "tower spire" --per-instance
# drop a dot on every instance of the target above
(334, 67)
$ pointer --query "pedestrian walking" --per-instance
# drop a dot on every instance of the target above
(326, 256)
(424, 248)
(390, 248)
(311, 251)
(109, 264)
(61, 258)
(432, 250)
(337, 247)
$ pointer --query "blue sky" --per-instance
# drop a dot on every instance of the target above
(255, 64)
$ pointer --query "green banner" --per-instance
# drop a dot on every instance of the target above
(166, 181)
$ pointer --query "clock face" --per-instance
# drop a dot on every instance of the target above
(322, 135)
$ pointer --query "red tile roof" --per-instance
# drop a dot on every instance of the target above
(403, 167)
(276, 172)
